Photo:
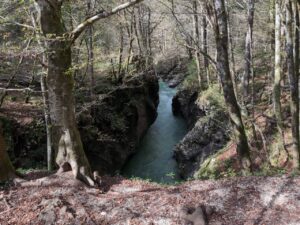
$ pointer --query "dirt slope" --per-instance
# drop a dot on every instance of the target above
(61, 200)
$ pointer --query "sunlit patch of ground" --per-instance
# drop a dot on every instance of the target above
(62, 200)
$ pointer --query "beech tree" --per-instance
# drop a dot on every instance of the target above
(293, 79)
(90, 7)
(248, 49)
(277, 68)
(66, 138)
(205, 46)
(217, 12)
(197, 43)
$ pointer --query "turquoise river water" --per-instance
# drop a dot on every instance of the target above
(154, 159)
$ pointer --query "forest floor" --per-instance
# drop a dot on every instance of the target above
(62, 200)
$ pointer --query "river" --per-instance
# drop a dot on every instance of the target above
(154, 158)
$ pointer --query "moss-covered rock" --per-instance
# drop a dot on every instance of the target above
(222, 164)
(210, 129)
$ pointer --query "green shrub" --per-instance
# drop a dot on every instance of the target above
(212, 99)
(191, 81)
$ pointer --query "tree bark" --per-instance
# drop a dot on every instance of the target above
(148, 40)
(231, 51)
(248, 50)
(277, 71)
(7, 170)
(120, 58)
(205, 48)
(197, 43)
(294, 103)
(221, 36)
(66, 137)
(130, 34)
(137, 36)
(90, 6)
(297, 39)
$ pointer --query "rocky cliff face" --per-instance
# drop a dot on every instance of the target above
(111, 126)
(184, 104)
(209, 128)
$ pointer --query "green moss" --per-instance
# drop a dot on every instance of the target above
(212, 168)
(267, 170)
(148, 180)
(191, 81)
(212, 99)
(208, 169)
(277, 153)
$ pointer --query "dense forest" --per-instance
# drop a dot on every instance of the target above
(149, 112)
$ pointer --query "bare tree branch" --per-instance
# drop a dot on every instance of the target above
(101, 15)
(16, 23)
(185, 33)
(15, 90)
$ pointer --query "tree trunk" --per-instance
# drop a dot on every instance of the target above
(120, 60)
(231, 52)
(7, 170)
(205, 48)
(50, 157)
(137, 36)
(149, 41)
(221, 36)
(44, 89)
(131, 40)
(90, 6)
(66, 137)
(293, 84)
(248, 50)
(297, 58)
(277, 71)
(197, 43)
(297, 39)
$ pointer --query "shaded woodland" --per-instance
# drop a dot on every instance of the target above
(79, 89)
